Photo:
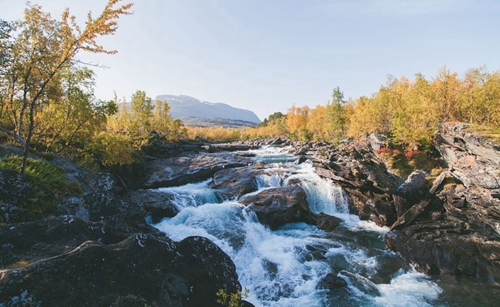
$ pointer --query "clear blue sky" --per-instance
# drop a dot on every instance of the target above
(267, 55)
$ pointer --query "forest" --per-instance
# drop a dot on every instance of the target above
(47, 101)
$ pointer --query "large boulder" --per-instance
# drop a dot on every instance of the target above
(28, 242)
(233, 183)
(276, 207)
(141, 270)
(155, 205)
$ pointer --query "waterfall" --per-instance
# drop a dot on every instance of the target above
(285, 266)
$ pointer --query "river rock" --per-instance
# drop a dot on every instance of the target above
(156, 205)
(141, 270)
(410, 192)
(233, 183)
(188, 169)
(232, 147)
(332, 282)
(28, 242)
(276, 207)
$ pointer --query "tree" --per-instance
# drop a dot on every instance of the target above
(447, 93)
(335, 117)
(166, 126)
(65, 125)
(40, 50)
(271, 119)
(296, 122)
(142, 109)
(316, 123)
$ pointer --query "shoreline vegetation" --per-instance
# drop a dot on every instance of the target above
(48, 103)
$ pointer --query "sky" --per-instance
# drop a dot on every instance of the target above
(269, 55)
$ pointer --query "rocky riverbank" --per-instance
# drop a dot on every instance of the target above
(445, 225)
(96, 249)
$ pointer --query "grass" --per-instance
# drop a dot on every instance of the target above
(48, 182)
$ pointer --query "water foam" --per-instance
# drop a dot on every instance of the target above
(278, 266)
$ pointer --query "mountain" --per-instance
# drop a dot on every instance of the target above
(185, 107)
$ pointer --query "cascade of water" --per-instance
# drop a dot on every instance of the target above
(322, 195)
(285, 266)
(269, 181)
(191, 195)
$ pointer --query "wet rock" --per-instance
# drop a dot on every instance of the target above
(322, 221)
(361, 283)
(276, 207)
(315, 253)
(446, 249)
(142, 268)
(302, 159)
(233, 183)
(156, 205)
(332, 282)
(409, 216)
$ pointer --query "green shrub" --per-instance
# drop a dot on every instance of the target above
(48, 183)
(233, 299)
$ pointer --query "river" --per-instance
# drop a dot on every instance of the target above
(284, 267)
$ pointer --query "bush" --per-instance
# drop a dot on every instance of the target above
(106, 150)
(233, 299)
(48, 183)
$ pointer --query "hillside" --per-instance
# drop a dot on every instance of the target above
(185, 107)
(216, 122)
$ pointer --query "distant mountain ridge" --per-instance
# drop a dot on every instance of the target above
(185, 106)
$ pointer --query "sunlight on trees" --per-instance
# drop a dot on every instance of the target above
(47, 100)
(35, 52)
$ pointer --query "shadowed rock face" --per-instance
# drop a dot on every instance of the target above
(454, 228)
(139, 270)
(97, 250)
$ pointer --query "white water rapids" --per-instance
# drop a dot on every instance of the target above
(281, 268)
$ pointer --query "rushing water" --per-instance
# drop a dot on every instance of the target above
(285, 266)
